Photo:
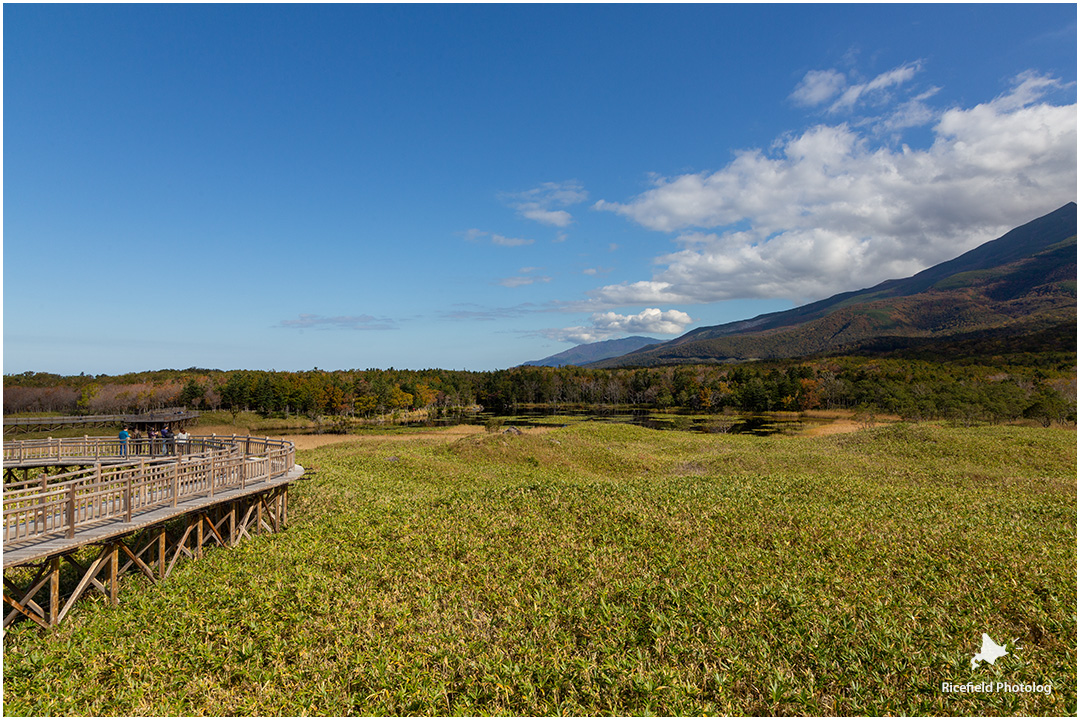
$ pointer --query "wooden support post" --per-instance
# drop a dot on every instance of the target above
(198, 537)
(175, 484)
(54, 590)
(114, 570)
(161, 552)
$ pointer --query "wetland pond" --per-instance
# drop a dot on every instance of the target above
(541, 416)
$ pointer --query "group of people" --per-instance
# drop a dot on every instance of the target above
(165, 442)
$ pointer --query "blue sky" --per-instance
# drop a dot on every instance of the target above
(353, 186)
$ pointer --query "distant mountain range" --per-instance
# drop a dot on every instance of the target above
(591, 352)
(1021, 284)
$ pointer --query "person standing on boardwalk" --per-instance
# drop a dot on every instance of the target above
(167, 445)
(152, 435)
(124, 435)
(182, 440)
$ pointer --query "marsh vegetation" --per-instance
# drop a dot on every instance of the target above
(606, 569)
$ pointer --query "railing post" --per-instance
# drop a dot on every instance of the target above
(127, 498)
(175, 484)
(41, 512)
(71, 511)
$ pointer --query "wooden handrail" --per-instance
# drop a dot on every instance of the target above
(64, 502)
(162, 415)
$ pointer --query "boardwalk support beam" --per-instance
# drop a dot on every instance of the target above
(117, 515)
(38, 598)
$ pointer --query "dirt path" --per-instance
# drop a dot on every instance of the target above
(840, 421)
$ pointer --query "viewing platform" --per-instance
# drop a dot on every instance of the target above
(148, 504)
(176, 417)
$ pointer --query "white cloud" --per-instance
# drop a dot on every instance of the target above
(911, 113)
(820, 86)
(543, 203)
(578, 335)
(650, 320)
(558, 218)
(830, 211)
(608, 325)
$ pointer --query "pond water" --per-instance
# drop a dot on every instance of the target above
(756, 424)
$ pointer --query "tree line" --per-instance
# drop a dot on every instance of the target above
(911, 388)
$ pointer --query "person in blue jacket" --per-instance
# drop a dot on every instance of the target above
(124, 435)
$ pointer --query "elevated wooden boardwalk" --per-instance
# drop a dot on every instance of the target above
(149, 509)
(177, 417)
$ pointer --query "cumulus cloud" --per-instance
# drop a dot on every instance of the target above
(829, 210)
(650, 320)
(544, 203)
(608, 325)
(341, 322)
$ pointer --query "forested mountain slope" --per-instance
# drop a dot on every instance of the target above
(1023, 283)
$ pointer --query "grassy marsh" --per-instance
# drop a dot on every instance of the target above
(608, 570)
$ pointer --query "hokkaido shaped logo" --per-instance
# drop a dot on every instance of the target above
(990, 651)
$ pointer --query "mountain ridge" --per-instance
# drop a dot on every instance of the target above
(594, 352)
(1025, 279)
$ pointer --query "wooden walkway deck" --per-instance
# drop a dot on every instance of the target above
(176, 417)
(148, 511)
(103, 531)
